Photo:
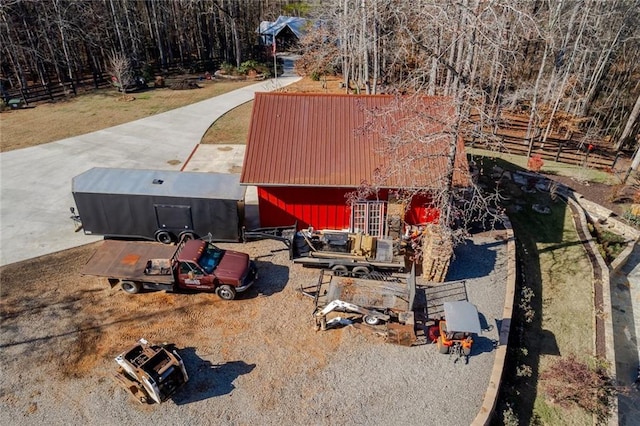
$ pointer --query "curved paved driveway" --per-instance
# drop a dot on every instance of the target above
(35, 183)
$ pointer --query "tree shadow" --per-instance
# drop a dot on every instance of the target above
(527, 341)
(473, 260)
(208, 380)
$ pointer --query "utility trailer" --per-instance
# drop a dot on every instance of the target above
(380, 298)
(162, 205)
(345, 253)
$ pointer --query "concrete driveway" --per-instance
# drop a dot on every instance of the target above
(35, 183)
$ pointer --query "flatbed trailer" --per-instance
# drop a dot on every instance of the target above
(346, 254)
(348, 265)
(378, 298)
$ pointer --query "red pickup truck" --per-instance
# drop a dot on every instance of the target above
(192, 265)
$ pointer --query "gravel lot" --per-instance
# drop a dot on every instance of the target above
(256, 360)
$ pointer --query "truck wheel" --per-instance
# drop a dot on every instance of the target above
(164, 237)
(360, 272)
(371, 320)
(226, 292)
(441, 347)
(340, 270)
(131, 287)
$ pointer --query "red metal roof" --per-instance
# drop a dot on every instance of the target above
(333, 140)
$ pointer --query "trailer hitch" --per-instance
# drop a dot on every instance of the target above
(76, 219)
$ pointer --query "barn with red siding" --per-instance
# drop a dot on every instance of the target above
(307, 152)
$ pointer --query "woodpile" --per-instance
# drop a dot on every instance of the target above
(437, 252)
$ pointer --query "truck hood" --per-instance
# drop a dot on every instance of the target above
(232, 266)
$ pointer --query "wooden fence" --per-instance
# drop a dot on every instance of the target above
(568, 148)
(35, 93)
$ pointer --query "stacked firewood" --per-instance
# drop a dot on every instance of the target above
(437, 252)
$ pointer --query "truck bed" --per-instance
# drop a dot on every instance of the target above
(126, 260)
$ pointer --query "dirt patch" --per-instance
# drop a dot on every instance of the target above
(600, 193)
(329, 84)
(257, 359)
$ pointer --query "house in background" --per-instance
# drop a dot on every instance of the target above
(286, 30)
(306, 153)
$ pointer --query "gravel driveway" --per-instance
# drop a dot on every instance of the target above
(256, 360)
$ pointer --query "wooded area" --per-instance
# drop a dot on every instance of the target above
(571, 66)
(53, 41)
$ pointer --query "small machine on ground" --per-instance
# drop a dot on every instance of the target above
(151, 373)
(457, 328)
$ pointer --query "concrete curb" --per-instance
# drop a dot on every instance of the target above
(491, 394)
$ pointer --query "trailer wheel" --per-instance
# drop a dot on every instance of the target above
(441, 347)
(360, 272)
(164, 237)
(340, 270)
(186, 235)
(371, 320)
(226, 292)
(131, 287)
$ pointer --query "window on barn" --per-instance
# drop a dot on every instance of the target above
(368, 217)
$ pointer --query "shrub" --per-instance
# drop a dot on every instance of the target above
(572, 382)
(249, 65)
(535, 163)
(509, 418)
(147, 72)
(632, 217)
(227, 68)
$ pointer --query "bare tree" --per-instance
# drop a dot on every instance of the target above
(320, 54)
(121, 72)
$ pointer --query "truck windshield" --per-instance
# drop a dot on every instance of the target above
(210, 258)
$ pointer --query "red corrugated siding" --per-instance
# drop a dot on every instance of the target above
(320, 208)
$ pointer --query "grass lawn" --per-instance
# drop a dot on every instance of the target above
(552, 167)
(555, 307)
(97, 110)
(231, 128)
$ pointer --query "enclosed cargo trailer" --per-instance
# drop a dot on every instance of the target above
(159, 205)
